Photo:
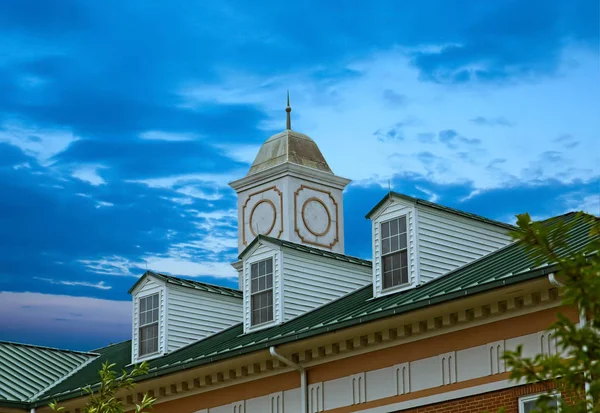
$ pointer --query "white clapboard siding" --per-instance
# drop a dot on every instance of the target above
(448, 241)
(393, 210)
(194, 315)
(150, 287)
(311, 281)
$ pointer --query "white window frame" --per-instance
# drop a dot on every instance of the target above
(393, 288)
(534, 397)
(140, 326)
(252, 294)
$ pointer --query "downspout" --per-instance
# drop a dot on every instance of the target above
(302, 371)
(582, 323)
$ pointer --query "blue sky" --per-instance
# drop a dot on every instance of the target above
(121, 124)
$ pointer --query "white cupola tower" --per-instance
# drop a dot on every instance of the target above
(290, 193)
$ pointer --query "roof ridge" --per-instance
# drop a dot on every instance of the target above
(62, 350)
(513, 244)
(198, 282)
(441, 207)
(319, 250)
(218, 289)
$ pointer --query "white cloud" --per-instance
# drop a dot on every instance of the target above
(114, 265)
(178, 200)
(208, 220)
(583, 202)
(89, 174)
(343, 115)
(431, 196)
(204, 186)
(40, 143)
(178, 266)
(25, 165)
(101, 204)
(99, 285)
(240, 153)
(168, 136)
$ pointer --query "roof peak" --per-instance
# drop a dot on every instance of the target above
(184, 282)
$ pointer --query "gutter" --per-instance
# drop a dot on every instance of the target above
(301, 370)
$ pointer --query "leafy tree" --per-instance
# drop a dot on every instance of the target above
(576, 372)
(104, 399)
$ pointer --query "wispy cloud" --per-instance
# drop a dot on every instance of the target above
(99, 285)
(41, 143)
(115, 265)
(168, 136)
(89, 174)
(498, 121)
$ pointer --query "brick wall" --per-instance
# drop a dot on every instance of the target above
(491, 402)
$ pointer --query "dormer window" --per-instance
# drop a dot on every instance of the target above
(394, 253)
(148, 325)
(261, 275)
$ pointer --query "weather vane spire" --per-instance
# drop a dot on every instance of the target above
(288, 109)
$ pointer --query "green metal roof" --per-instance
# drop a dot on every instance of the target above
(429, 204)
(26, 370)
(307, 249)
(506, 266)
(196, 285)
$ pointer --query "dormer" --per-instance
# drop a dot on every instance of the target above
(416, 241)
(282, 280)
(170, 312)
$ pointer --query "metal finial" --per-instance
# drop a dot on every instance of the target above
(288, 110)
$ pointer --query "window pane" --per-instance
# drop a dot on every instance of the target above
(402, 223)
(394, 227)
(387, 280)
(396, 277)
(394, 243)
(254, 271)
(387, 263)
(155, 301)
(270, 281)
(385, 246)
(262, 267)
(396, 261)
(270, 266)
(261, 283)
(143, 304)
(402, 241)
(254, 286)
(403, 259)
(385, 230)
(404, 279)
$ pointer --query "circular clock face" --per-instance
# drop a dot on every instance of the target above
(316, 216)
(262, 217)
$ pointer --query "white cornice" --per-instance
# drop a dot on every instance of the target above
(284, 169)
